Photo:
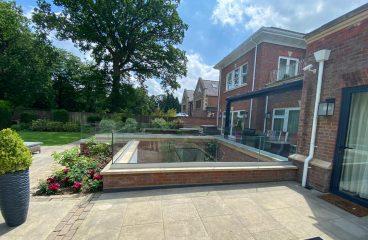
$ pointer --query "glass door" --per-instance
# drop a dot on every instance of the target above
(351, 170)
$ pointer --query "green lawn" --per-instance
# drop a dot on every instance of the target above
(51, 138)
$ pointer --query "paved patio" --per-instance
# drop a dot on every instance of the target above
(246, 211)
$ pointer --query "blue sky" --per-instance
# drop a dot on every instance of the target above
(218, 26)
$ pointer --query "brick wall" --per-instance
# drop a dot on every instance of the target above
(196, 177)
(267, 61)
(347, 67)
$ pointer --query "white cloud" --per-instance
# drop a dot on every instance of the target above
(302, 16)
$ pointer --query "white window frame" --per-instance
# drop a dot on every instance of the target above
(240, 76)
(287, 66)
(232, 113)
(285, 117)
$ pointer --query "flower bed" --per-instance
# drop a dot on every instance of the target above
(81, 172)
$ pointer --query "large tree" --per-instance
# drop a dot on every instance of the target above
(25, 60)
(134, 39)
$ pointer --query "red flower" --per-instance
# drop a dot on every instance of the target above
(51, 179)
(91, 173)
(77, 185)
(98, 177)
(54, 186)
(66, 170)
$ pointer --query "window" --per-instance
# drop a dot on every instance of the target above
(237, 77)
(198, 104)
(286, 120)
(244, 73)
(236, 122)
(288, 67)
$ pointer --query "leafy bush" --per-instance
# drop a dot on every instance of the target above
(14, 155)
(176, 124)
(5, 113)
(60, 115)
(107, 125)
(69, 157)
(171, 112)
(130, 125)
(71, 127)
(51, 126)
(159, 123)
(20, 126)
(27, 117)
(82, 172)
(93, 119)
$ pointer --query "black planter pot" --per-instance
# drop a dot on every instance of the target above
(14, 197)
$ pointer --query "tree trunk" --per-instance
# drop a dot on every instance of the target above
(115, 91)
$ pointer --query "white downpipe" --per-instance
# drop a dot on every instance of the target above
(218, 100)
(320, 56)
(254, 77)
(265, 119)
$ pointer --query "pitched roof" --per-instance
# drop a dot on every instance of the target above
(189, 94)
(211, 86)
(264, 34)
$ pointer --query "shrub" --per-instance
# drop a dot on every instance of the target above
(27, 117)
(171, 112)
(93, 119)
(20, 126)
(130, 125)
(176, 124)
(54, 126)
(69, 157)
(159, 123)
(5, 113)
(60, 115)
(107, 125)
(71, 127)
(14, 155)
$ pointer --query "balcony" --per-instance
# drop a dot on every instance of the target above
(286, 73)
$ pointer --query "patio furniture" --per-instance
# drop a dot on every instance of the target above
(34, 146)
(210, 130)
(277, 142)
(249, 137)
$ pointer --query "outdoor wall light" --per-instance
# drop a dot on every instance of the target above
(327, 107)
(246, 114)
(268, 115)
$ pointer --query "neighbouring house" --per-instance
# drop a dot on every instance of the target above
(205, 98)
(333, 126)
(187, 102)
(260, 89)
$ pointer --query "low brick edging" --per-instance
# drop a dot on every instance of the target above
(155, 179)
(73, 220)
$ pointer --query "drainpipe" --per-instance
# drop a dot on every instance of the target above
(265, 119)
(321, 56)
(218, 100)
(254, 77)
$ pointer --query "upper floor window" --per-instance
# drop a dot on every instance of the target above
(237, 77)
(288, 67)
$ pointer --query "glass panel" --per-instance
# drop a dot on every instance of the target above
(280, 112)
(244, 73)
(292, 68)
(282, 69)
(229, 80)
(236, 77)
(354, 177)
(233, 123)
(293, 121)
(278, 124)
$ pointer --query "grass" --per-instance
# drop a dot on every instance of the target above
(51, 138)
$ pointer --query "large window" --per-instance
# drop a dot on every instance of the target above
(237, 77)
(288, 67)
(236, 122)
(285, 120)
(198, 104)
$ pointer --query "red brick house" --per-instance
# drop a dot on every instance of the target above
(333, 130)
(205, 98)
(261, 82)
(187, 102)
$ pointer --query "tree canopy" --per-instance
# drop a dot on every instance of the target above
(134, 40)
